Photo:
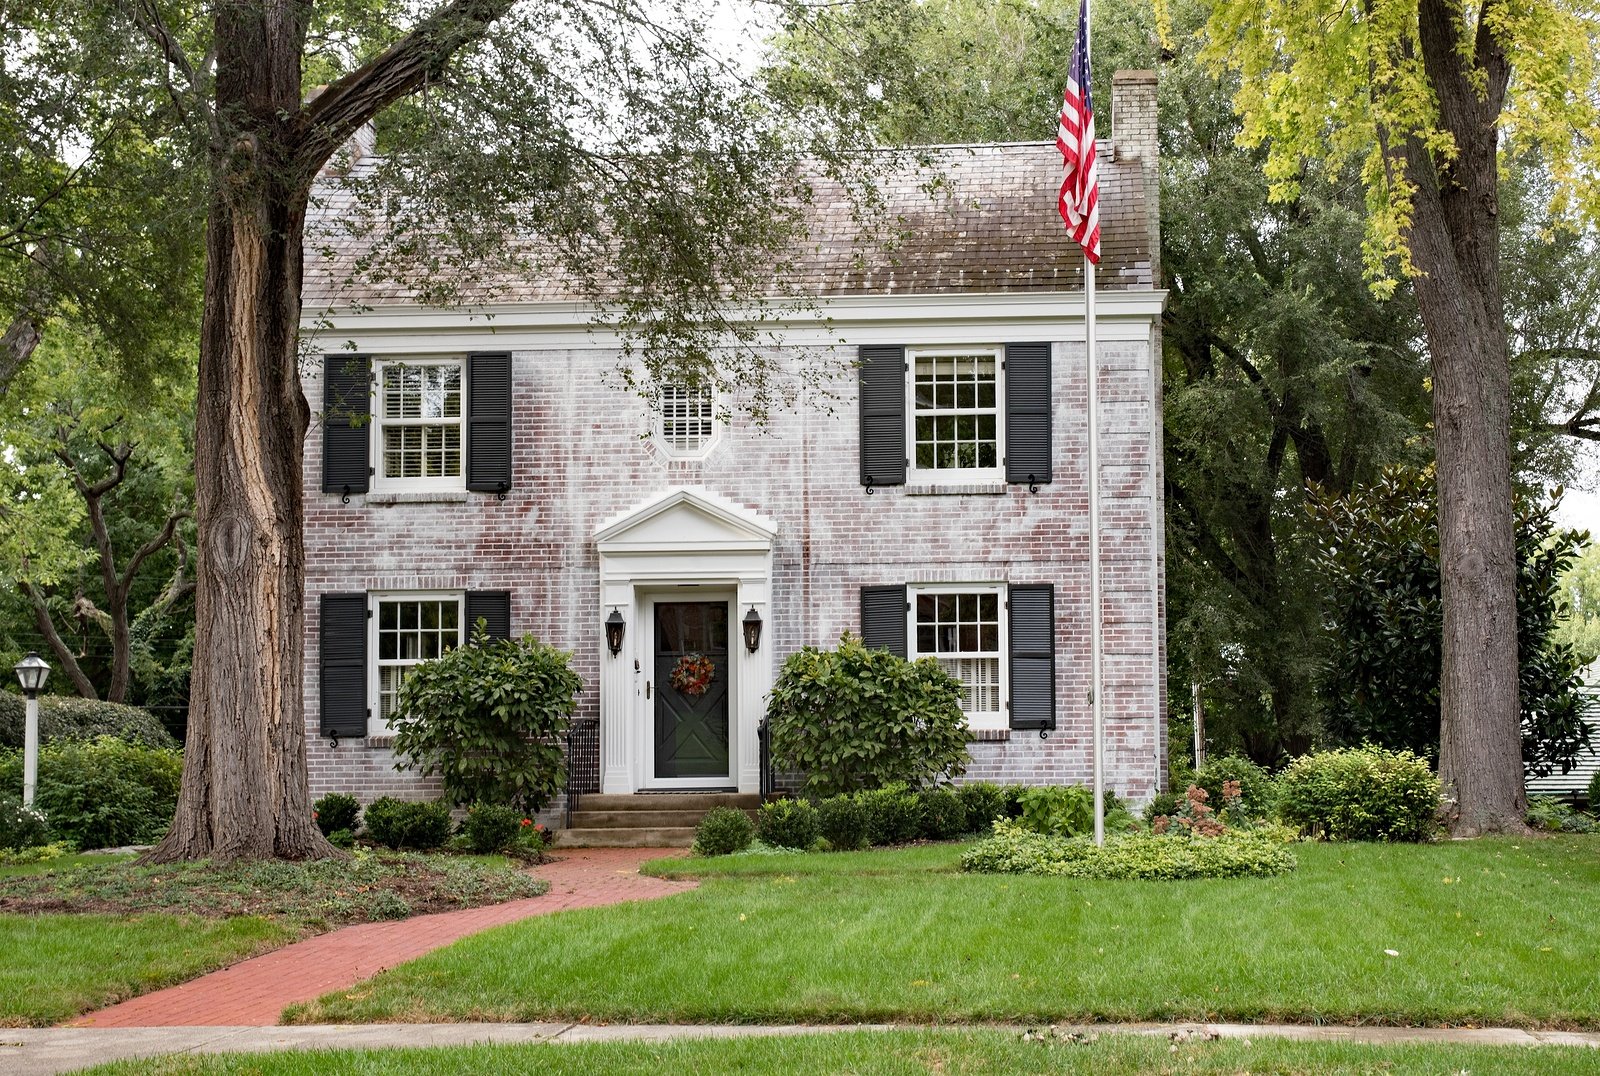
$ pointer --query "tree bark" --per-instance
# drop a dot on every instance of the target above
(17, 345)
(39, 602)
(1454, 241)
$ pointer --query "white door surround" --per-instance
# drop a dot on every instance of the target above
(689, 544)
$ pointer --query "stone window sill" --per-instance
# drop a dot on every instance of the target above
(989, 487)
(384, 741)
(438, 496)
(988, 735)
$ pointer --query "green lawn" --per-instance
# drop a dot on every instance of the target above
(60, 863)
(57, 966)
(1492, 931)
(898, 1052)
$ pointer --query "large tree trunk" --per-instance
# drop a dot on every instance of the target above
(1454, 241)
(244, 792)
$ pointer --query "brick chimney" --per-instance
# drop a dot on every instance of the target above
(1133, 137)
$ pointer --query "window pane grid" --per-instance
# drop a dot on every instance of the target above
(421, 419)
(956, 415)
(962, 630)
(688, 416)
(411, 631)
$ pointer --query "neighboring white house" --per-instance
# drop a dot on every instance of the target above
(939, 509)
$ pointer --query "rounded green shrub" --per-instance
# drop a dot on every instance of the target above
(487, 718)
(491, 827)
(854, 718)
(21, 827)
(723, 831)
(65, 717)
(1162, 803)
(417, 825)
(1594, 792)
(894, 814)
(1361, 794)
(337, 811)
(943, 816)
(787, 824)
(102, 793)
(842, 821)
(1255, 784)
(342, 838)
(984, 801)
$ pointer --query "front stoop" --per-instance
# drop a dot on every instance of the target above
(645, 820)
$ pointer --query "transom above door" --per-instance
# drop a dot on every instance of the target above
(690, 686)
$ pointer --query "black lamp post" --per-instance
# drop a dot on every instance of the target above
(614, 632)
(752, 630)
(32, 671)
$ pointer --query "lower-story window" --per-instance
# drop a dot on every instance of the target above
(963, 627)
(409, 629)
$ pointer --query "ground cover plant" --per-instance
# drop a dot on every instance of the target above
(1015, 849)
(892, 1053)
(1493, 931)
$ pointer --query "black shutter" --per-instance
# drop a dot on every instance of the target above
(344, 665)
(1028, 413)
(346, 416)
(1033, 656)
(489, 422)
(883, 416)
(494, 606)
(883, 619)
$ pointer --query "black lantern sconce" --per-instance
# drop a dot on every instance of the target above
(614, 631)
(752, 630)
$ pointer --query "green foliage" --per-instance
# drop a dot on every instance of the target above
(1255, 784)
(723, 831)
(1162, 804)
(787, 824)
(63, 717)
(1555, 815)
(842, 821)
(342, 838)
(491, 827)
(1580, 595)
(28, 855)
(854, 718)
(21, 827)
(983, 802)
(1594, 792)
(1013, 848)
(1380, 559)
(894, 814)
(408, 824)
(944, 816)
(488, 718)
(1361, 794)
(336, 811)
(1058, 810)
(102, 793)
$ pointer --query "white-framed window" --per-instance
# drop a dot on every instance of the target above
(686, 419)
(408, 628)
(955, 429)
(419, 429)
(963, 626)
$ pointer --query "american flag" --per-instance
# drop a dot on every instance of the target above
(1080, 186)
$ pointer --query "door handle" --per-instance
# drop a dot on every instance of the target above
(647, 689)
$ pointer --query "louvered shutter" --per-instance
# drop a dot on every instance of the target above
(883, 416)
(346, 423)
(489, 422)
(494, 606)
(1033, 656)
(344, 665)
(883, 619)
(1028, 440)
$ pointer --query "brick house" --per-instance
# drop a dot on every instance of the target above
(938, 509)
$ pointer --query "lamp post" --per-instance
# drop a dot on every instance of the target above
(32, 671)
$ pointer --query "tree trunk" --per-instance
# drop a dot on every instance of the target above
(1454, 241)
(17, 344)
(244, 792)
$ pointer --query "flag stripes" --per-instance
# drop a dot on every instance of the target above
(1079, 200)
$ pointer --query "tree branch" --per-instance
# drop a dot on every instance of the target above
(47, 627)
(152, 546)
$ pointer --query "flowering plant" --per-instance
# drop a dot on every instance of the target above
(693, 674)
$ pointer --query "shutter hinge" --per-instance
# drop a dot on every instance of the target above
(371, 472)
(369, 614)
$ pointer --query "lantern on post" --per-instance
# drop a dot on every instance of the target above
(32, 672)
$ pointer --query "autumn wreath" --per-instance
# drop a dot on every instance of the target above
(693, 673)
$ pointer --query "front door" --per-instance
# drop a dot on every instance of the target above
(691, 712)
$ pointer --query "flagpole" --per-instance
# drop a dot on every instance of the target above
(1096, 703)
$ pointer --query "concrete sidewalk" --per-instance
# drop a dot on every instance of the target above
(46, 1051)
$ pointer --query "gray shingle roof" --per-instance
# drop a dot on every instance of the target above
(989, 225)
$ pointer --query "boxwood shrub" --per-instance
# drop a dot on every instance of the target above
(491, 827)
(943, 815)
(408, 823)
(102, 793)
(1015, 849)
(894, 814)
(984, 801)
(1361, 794)
(787, 824)
(337, 811)
(842, 821)
(723, 831)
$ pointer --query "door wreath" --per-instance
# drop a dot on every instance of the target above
(693, 674)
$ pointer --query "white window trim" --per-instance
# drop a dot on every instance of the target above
(667, 448)
(382, 484)
(376, 725)
(1000, 719)
(955, 475)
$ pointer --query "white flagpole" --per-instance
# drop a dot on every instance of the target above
(1096, 703)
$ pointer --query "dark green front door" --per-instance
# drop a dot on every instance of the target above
(691, 724)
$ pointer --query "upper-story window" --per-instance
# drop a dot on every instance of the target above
(955, 427)
(963, 628)
(418, 425)
(687, 424)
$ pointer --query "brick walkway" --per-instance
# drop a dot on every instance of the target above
(255, 991)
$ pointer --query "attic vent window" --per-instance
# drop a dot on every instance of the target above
(688, 419)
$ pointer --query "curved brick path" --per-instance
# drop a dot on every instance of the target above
(255, 991)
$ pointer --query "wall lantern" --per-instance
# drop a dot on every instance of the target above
(752, 630)
(614, 630)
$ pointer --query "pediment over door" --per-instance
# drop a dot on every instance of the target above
(684, 520)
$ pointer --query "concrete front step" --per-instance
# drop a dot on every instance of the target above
(666, 837)
(667, 801)
(585, 819)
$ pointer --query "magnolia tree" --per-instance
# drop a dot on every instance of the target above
(1430, 97)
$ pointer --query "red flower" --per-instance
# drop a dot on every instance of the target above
(527, 821)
